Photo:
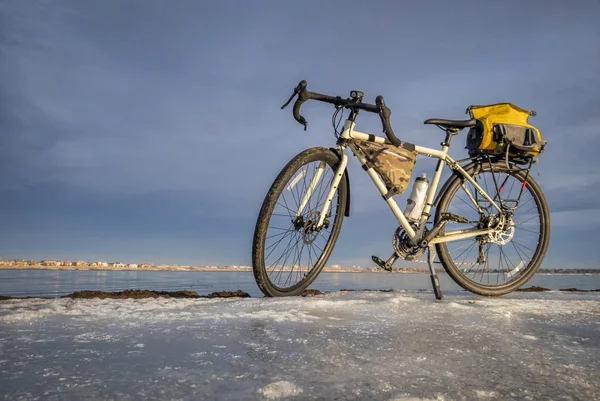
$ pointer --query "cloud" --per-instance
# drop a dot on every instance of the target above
(167, 117)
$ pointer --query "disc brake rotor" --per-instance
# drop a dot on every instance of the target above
(503, 237)
(309, 233)
(504, 230)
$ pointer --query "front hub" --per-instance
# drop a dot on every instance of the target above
(308, 226)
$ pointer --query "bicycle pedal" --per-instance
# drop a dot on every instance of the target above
(381, 263)
(454, 217)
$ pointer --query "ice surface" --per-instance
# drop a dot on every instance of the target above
(344, 345)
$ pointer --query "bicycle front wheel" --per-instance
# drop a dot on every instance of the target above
(289, 249)
(498, 263)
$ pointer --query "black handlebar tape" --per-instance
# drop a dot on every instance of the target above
(384, 114)
(297, 115)
(303, 96)
(371, 108)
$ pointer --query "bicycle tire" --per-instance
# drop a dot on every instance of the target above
(260, 268)
(452, 187)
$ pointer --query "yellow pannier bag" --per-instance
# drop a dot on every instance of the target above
(502, 128)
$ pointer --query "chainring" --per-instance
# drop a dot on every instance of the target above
(403, 247)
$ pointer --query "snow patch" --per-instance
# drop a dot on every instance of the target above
(403, 299)
(93, 337)
(486, 394)
(529, 337)
(280, 389)
(322, 303)
(458, 306)
(277, 316)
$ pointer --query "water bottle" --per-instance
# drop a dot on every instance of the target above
(416, 200)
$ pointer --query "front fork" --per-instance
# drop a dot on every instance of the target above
(334, 186)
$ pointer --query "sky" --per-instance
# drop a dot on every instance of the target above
(150, 131)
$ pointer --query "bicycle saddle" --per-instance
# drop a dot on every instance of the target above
(459, 124)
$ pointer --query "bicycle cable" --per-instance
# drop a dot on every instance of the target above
(339, 120)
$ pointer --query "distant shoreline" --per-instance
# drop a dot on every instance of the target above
(326, 269)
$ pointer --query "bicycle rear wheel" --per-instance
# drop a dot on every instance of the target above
(498, 263)
(288, 251)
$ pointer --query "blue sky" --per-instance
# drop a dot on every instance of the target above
(150, 130)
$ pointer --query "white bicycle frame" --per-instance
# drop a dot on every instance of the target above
(415, 236)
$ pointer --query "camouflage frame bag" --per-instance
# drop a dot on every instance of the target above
(392, 163)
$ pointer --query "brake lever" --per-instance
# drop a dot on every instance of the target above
(290, 99)
(303, 96)
(300, 87)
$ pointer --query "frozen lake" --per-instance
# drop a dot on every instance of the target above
(53, 283)
(344, 345)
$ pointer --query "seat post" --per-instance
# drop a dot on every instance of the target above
(450, 132)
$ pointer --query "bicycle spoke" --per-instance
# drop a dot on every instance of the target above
(471, 206)
(296, 254)
(500, 188)
(275, 235)
(472, 244)
(285, 202)
(318, 247)
(519, 254)
(486, 186)
(310, 263)
(292, 264)
(487, 262)
(277, 243)
(530, 210)
(292, 249)
(509, 261)
(531, 231)
(511, 188)
(280, 228)
(521, 245)
(294, 193)
(324, 188)
(284, 252)
(290, 211)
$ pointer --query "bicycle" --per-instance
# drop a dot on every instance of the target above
(483, 225)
